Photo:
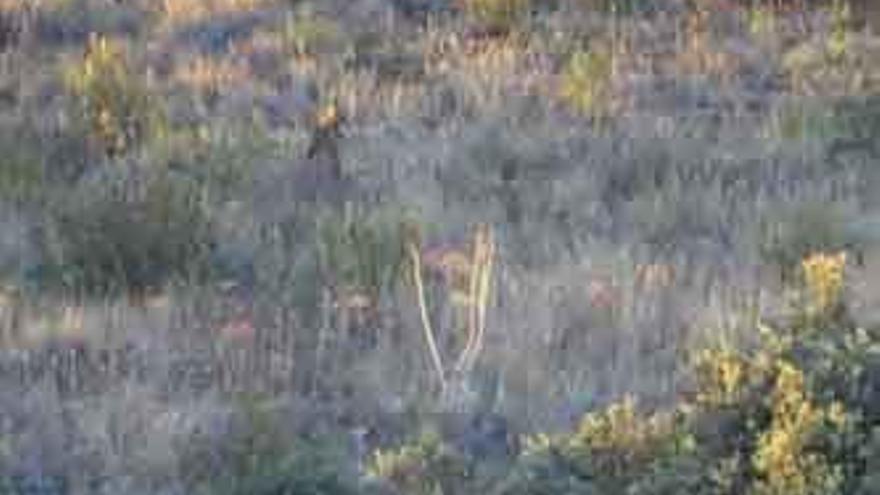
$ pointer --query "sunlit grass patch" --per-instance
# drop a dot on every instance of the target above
(175, 12)
(485, 69)
(210, 75)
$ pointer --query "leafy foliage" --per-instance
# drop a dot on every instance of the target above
(427, 467)
(360, 253)
(792, 416)
(496, 16)
(129, 232)
(113, 104)
(260, 459)
(585, 81)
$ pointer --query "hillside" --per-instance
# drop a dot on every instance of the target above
(440, 247)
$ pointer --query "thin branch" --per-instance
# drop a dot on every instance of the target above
(481, 300)
(473, 315)
(423, 312)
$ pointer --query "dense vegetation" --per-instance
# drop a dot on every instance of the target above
(439, 247)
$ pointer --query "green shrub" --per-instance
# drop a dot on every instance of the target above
(870, 482)
(259, 456)
(793, 415)
(546, 472)
(307, 34)
(21, 172)
(618, 441)
(427, 467)
(615, 450)
(796, 410)
(113, 104)
(586, 80)
(309, 468)
(496, 16)
(783, 460)
(35, 160)
(127, 232)
(361, 252)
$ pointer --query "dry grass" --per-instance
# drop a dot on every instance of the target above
(205, 75)
(188, 11)
(639, 177)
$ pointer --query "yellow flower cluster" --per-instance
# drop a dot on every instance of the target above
(721, 375)
(620, 428)
(782, 457)
(419, 468)
(823, 279)
(396, 464)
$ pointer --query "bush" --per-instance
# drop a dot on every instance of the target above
(586, 80)
(611, 451)
(796, 414)
(309, 468)
(426, 467)
(807, 229)
(114, 105)
(798, 407)
(783, 459)
(258, 456)
(361, 253)
(35, 160)
(131, 232)
(496, 16)
(21, 172)
(546, 472)
(307, 35)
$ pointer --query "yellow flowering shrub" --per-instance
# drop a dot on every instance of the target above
(782, 459)
(823, 281)
(619, 440)
(426, 467)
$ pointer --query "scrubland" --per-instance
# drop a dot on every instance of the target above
(434, 247)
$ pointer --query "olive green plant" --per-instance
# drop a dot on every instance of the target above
(586, 81)
(132, 231)
(307, 34)
(428, 466)
(112, 102)
(618, 449)
(496, 16)
(360, 253)
(261, 458)
(21, 172)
